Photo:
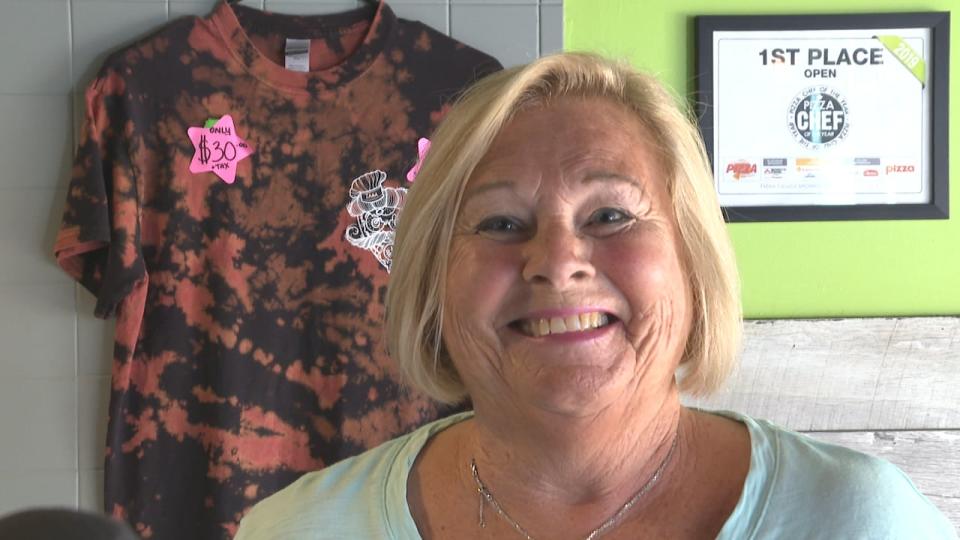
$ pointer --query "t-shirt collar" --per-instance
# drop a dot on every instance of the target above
(380, 33)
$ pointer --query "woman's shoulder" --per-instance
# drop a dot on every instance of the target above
(344, 500)
(338, 499)
(804, 487)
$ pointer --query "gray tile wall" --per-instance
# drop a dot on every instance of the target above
(55, 360)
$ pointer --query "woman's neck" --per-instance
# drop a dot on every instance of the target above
(592, 462)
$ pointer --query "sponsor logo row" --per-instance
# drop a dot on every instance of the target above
(772, 168)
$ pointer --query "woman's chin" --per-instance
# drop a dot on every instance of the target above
(577, 391)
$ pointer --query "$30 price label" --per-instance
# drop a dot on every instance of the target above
(218, 149)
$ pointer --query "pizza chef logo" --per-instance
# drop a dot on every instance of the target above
(375, 208)
(818, 117)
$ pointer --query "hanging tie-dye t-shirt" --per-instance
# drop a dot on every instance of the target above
(238, 218)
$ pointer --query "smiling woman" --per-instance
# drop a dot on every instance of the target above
(625, 119)
(562, 263)
(582, 225)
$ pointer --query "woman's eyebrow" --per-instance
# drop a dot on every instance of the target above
(607, 176)
(487, 187)
(593, 176)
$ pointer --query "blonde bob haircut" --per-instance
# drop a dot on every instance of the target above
(419, 268)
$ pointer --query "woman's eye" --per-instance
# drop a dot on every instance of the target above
(609, 216)
(499, 224)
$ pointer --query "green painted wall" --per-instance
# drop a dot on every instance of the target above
(813, 269)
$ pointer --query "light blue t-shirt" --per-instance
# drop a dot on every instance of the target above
(797, 488)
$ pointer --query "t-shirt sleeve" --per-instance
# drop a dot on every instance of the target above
(98, 243)
(896, 509)
(825, 491)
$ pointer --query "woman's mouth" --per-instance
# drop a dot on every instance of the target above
(581, 322)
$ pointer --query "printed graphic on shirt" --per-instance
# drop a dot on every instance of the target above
(375, 208)
(249, 344)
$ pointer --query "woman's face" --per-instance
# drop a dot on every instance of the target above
(565, 288)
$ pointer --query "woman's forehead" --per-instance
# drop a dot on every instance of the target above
(578, 138)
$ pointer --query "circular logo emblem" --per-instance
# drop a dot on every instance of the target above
(818, 117)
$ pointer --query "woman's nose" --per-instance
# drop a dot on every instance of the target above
(558, 256)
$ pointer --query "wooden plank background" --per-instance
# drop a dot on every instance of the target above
(887, 387)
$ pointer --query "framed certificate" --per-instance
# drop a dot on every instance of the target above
(826, 117)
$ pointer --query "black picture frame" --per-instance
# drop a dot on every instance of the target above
(938, 24)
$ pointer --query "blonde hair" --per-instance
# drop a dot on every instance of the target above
(419, 267)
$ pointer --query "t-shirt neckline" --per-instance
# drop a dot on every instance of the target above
(743, 519)
(379, 35)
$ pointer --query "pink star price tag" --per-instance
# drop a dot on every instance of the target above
(218, 148)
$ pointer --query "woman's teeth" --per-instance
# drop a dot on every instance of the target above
(562, 325)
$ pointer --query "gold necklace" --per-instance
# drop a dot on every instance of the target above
(487, 497)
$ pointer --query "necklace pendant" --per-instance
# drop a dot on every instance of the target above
(483, 524)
